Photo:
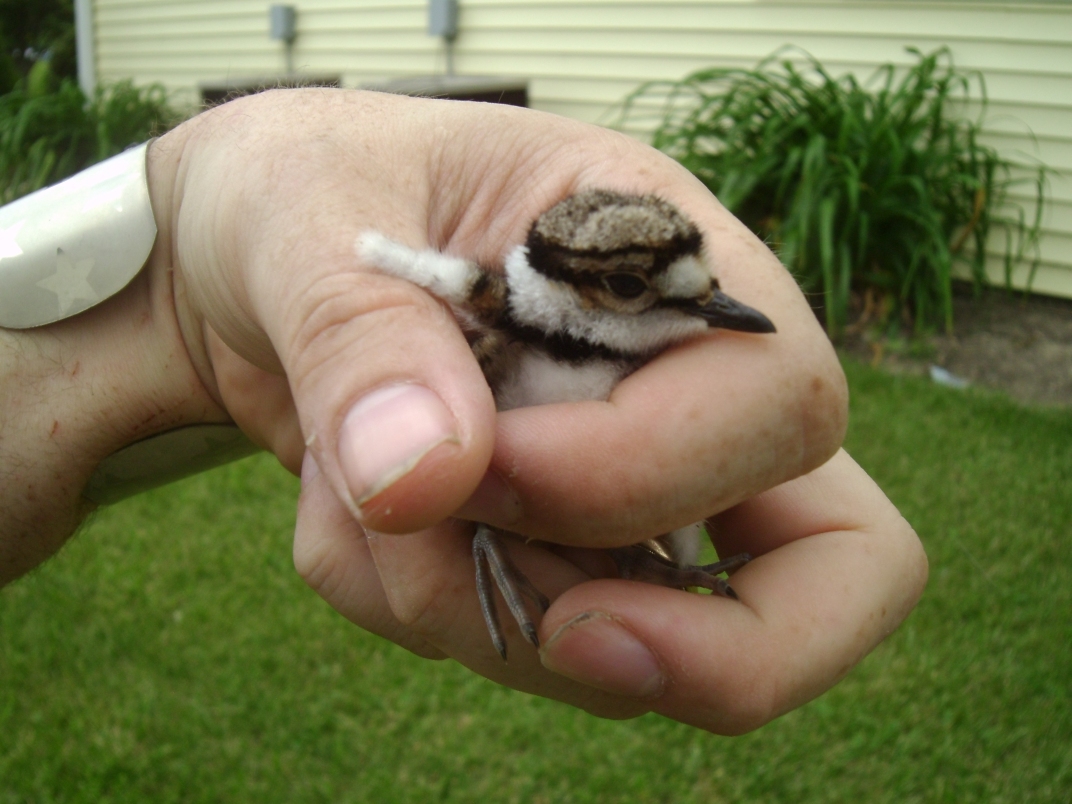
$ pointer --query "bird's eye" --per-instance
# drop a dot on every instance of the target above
(625, 285)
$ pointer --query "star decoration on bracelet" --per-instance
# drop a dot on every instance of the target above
(70, 283)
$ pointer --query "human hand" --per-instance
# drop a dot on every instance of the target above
(259, 203)
(701, 429)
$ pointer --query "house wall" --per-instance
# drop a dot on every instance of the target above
(581, 58)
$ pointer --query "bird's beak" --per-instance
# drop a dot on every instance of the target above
(728, 313)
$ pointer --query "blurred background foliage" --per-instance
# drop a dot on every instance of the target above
(45, 137)
(32, 31)
(876, 195)
(873, 190)
(49, 129)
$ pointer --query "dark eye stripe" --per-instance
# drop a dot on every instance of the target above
(676, 246)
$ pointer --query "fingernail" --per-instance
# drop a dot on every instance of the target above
(493, 502)
(596, 649)
(309, 468)
(385, 435)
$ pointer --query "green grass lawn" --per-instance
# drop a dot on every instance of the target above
(170, 653)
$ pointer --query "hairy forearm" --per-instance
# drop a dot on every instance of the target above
(40, 485)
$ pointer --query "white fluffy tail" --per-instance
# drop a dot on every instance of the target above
(449, 278)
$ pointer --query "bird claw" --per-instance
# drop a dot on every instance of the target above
(634, 563)
(637, 563)
(493, 561)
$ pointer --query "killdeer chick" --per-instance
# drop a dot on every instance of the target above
(603, 283)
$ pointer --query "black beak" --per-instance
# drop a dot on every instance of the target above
(728, 313)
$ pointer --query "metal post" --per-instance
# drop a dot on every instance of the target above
(85, 46)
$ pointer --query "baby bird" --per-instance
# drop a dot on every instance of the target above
(602, 284)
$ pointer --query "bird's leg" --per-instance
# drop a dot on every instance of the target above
(493, 561)
(638, 563)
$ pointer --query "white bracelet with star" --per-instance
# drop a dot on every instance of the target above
(70, 246)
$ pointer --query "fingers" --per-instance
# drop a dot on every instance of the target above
(331, 553)
(390, 400)
(259, 402)
(428, 602)
(839, 497)
(812, 605)
(430, 587)
(392, 404)
(810, 610)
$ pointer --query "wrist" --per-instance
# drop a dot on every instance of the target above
(76, 391)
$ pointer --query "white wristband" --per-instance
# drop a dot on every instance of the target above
(164, 458)
(70, 246)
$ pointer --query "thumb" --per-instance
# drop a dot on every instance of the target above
(390, 400)
(392, 404)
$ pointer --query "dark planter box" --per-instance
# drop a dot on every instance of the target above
(488, 89)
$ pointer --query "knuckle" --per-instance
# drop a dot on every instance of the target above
(746, 704)
(358, 320)
(430, 586)
(428, 604)
(344, 301)
(823, 399)
(312, 561)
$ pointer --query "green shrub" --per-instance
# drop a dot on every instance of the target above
(47, 137)
(874, 186)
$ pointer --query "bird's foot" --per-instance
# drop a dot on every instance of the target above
(493, 561)
(638, 563)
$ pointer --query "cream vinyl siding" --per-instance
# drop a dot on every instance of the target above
(581, 58)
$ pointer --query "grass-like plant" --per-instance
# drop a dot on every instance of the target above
(883, 185)
(170, 653)
(45, 137)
